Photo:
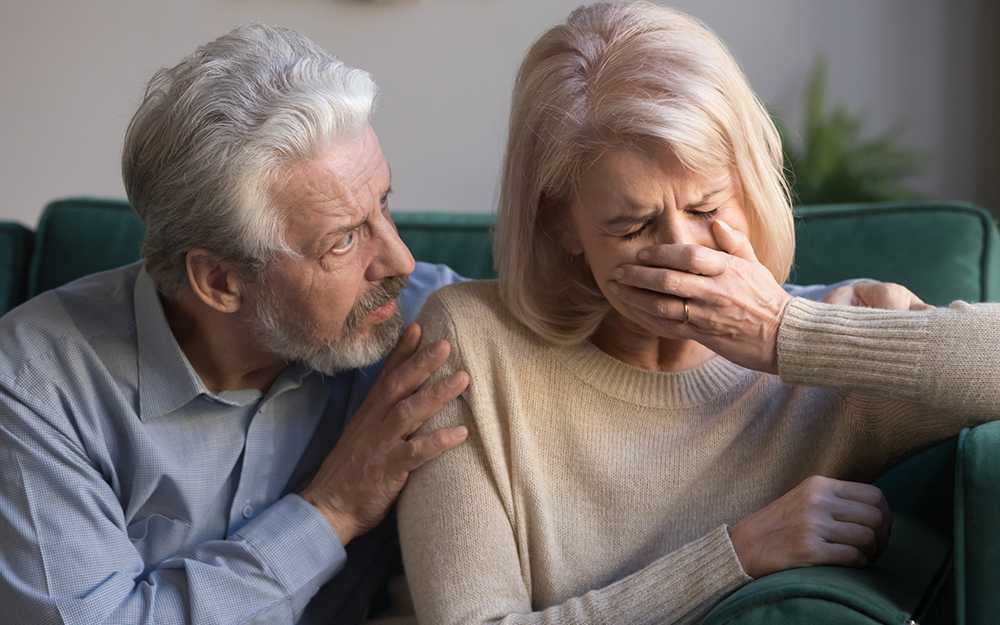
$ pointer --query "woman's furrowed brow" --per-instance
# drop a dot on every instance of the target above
(705, 198)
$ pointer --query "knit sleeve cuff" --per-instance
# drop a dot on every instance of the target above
(851, 348)
(688, 582)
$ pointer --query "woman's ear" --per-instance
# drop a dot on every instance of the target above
(568, 237)
(213, 281)
(570, 241)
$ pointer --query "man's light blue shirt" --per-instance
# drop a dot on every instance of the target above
(130, 493)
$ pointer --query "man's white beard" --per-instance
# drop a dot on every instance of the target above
(297, 340)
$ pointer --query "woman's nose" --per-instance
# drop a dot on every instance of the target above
(676, 233)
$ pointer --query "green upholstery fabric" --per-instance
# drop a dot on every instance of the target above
(940, 251)
(464, 242)
(887, 592)
(83, 236)
(15, 254)
(977, 523)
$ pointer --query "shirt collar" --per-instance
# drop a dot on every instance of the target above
(167, 380)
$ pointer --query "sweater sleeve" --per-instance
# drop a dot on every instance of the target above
(466, 563)
(943, 359)
(912, 377)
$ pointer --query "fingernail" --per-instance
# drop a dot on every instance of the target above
(437, 349)
(618, 274)
(643, 255)
(459, 432)
(723, 224)
(454, 379)
(613, 287)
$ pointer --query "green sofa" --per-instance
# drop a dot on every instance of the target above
(939, 567)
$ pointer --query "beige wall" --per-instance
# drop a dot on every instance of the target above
(72, 72)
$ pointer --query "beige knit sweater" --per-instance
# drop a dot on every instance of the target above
(591, 491)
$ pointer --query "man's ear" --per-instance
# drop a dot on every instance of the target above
(213, 281)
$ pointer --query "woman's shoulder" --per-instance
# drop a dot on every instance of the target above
(471, 295)
(470, 303)
(473, 308)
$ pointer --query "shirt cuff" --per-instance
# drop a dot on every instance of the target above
(297, 543)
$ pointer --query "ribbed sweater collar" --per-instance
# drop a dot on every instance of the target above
(653, 389)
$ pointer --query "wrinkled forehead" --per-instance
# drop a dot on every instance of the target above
(333, 189)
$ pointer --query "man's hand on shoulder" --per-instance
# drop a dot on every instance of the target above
(872, 294)
(361, 478)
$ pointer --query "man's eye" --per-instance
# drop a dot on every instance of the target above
(345, 243)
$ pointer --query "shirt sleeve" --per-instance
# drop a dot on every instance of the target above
(815, 292)
(425, 279)
(464, 563)
(68, 556)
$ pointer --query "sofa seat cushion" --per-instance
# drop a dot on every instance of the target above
(889, 591)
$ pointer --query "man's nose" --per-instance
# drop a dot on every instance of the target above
(392, 258)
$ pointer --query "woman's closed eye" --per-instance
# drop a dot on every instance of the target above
(635, 233)
(709, 214)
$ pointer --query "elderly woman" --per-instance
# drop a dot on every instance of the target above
(633, 456)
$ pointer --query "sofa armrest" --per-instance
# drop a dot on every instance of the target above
(977, 525)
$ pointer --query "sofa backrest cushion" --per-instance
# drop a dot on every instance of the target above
(941, 251)
(15, 255)
(77, 237)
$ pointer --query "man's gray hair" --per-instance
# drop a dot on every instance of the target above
(212, 135)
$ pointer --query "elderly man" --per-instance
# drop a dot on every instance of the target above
(167, 427)
(203, 436)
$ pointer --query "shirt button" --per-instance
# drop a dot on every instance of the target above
(247, 511)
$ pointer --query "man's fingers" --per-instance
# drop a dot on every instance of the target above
(405, 347)
(732, 241)
(841, 296)
(419, 407)
(414, 371)
(418, 450)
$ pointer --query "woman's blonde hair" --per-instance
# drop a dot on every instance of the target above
(612, 77)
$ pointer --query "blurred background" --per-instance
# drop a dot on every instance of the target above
(914, 81)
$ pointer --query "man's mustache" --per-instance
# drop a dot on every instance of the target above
(376, 296)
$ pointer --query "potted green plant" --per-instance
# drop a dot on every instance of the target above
(833, 163)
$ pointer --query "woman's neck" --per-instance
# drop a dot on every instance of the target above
(622, 339)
